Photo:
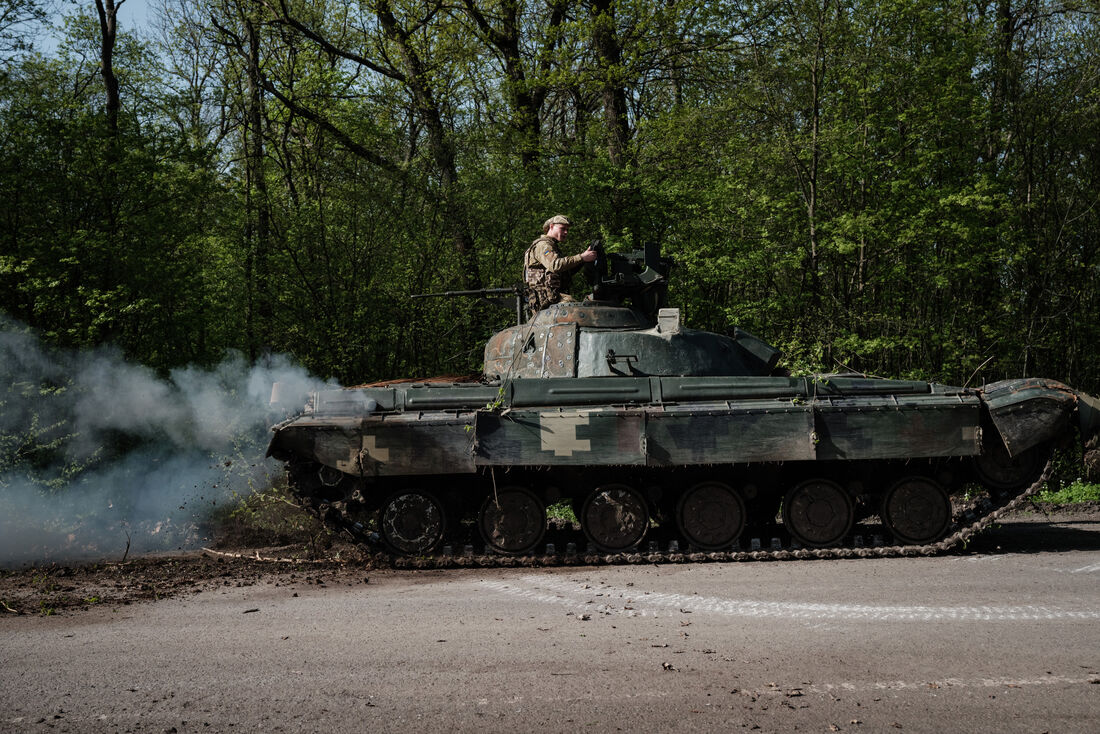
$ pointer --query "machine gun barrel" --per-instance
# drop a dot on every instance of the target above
(479, 293)
(516, 291)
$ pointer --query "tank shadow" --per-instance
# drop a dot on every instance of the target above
(1038, 535)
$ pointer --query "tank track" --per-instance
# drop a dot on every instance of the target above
(967, 522)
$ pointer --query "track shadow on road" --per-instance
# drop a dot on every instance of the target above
(1038, 535)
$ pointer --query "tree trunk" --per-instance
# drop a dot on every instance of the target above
(108, 26)
(605, 42)
(257, 216)
(440, 145)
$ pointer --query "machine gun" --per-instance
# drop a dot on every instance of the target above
(641, 276)
(487, 295)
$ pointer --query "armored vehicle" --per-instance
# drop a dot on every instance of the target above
(664, 437)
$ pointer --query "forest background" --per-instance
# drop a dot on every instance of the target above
(906, 188)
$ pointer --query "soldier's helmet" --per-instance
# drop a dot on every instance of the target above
(559, 219)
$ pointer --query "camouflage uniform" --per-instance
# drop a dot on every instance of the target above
(547, 273)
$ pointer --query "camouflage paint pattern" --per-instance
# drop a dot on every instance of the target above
(651, 421)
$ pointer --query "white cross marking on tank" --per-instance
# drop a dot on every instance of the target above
(378, 454)
(559, 433)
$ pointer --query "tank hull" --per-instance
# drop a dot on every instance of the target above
(655, 421)
(631, 454)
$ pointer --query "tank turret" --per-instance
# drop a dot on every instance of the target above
(602, 339)
(624, 329)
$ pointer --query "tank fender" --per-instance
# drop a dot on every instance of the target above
(331, 441)
(1088, 416)
(275, 447)
(1030, 411)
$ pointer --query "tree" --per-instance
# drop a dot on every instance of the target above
(16, 17)
(108, 27)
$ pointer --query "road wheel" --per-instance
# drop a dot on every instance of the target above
(412, 522)
(512, 520)
(998, 471)
(711, 515)
(818, 513)
(615, 517)
(916, 510)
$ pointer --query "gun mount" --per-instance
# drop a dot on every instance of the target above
(640, 277)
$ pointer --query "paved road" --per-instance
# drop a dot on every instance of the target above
(1004, 639)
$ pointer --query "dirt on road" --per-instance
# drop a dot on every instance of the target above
(57, 588)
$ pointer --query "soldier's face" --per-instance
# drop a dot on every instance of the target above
(559, 231)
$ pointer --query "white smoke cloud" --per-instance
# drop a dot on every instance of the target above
(97, 453)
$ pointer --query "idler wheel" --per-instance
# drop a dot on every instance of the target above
(916, 510)
(412, 522)
(818, 513)
(615, 517)
(711, 515)
(512, 521)
(997, 470)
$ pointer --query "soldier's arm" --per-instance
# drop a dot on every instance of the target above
(554, 261)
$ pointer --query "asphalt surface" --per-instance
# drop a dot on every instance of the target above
(1004, 638)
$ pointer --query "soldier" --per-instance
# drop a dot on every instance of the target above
(547, 272)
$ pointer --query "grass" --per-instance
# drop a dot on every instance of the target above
(562, 512)
(1076, 492)
(270, 517)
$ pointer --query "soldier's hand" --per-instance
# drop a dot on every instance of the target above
(589, 255)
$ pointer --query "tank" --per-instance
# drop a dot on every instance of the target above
(665, 441)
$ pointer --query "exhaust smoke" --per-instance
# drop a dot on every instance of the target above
(100, 456)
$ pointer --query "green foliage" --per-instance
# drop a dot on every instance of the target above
(1067, 485)
(887, 187)
(562, 512)
(35, 439)
(100, 250)
(269, 516)
(19, 21)
(1076, 492)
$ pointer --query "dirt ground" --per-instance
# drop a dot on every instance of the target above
(235, 559)
(69, 588)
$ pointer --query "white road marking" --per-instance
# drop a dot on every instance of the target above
(637, 603)
(1092, 568)
(901, 685)
(821, 689)
(576, 698)
(980, 559)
